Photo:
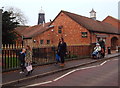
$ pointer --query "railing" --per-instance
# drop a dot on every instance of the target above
(41, 55)
(10, 56)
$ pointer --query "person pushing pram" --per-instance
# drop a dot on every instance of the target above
(97, 51)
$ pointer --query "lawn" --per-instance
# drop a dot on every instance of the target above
(10, 62)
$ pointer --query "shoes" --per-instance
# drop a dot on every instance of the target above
(62, 65)
(31, 71)
(21, 72)
(28, 73)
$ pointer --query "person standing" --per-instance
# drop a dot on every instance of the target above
(22, 60)
(28, 58)
(62, 50)
(102, 44)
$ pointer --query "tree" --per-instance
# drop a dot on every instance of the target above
(8, 25)
(20, 17)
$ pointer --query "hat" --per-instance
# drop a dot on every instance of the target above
(97, 44)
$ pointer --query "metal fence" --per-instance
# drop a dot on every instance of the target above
(10, 56)
(41, 55)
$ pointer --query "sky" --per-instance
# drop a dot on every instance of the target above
(31, 8)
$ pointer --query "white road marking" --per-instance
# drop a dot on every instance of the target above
(37, 84)
(64, 75)
(68, 74)
(103, 63)
(88, 67)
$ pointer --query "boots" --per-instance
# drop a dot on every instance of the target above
(62, 65)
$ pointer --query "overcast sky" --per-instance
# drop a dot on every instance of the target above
(31, 8)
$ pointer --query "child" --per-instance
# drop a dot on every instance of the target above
(22, 60)
(57, 57)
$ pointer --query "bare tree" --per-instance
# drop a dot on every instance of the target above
(20, 17)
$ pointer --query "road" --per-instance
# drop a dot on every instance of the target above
(98, 74)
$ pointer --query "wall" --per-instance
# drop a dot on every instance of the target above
(71, 32)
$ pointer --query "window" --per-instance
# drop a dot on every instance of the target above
(41, 41)
(84, 34)
(59, 31)
(48, 41)
(60, 27)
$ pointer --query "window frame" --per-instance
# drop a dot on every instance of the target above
(84, 34)
(41, 41)
(48, 41)
(59, 31)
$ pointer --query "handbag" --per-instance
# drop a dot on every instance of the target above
(29, 67)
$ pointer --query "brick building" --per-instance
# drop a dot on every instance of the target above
(116, 23)
(75, 29)
(79, 30)
(28, 33)
(113, 21)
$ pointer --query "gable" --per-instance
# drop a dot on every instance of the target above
(113, 21)
(63, 19)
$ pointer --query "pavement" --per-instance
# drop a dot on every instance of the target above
(41, 71)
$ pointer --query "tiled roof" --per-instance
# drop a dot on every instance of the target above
(92, 25)
(33, 30)
(88, 23)
(20, 29)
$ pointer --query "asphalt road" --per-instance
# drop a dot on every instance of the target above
(98, 74)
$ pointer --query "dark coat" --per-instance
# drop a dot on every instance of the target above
(22, 57)
(62, 48)
(102, 44)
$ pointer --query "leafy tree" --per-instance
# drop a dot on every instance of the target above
(8, 25)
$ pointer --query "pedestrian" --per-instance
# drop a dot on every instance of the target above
(28, 59)
(97, 50)
(57, 57)
(102, 44)
(62, 50)
(22, 60)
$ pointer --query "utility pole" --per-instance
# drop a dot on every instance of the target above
(1, 45)
(1, 28)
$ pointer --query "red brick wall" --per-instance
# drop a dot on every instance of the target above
(112, 21)
(115, 23)
(71, 32)
(107, 39)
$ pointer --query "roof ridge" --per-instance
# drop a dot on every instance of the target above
(113, 17)
(90, 24)
(79, 15)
